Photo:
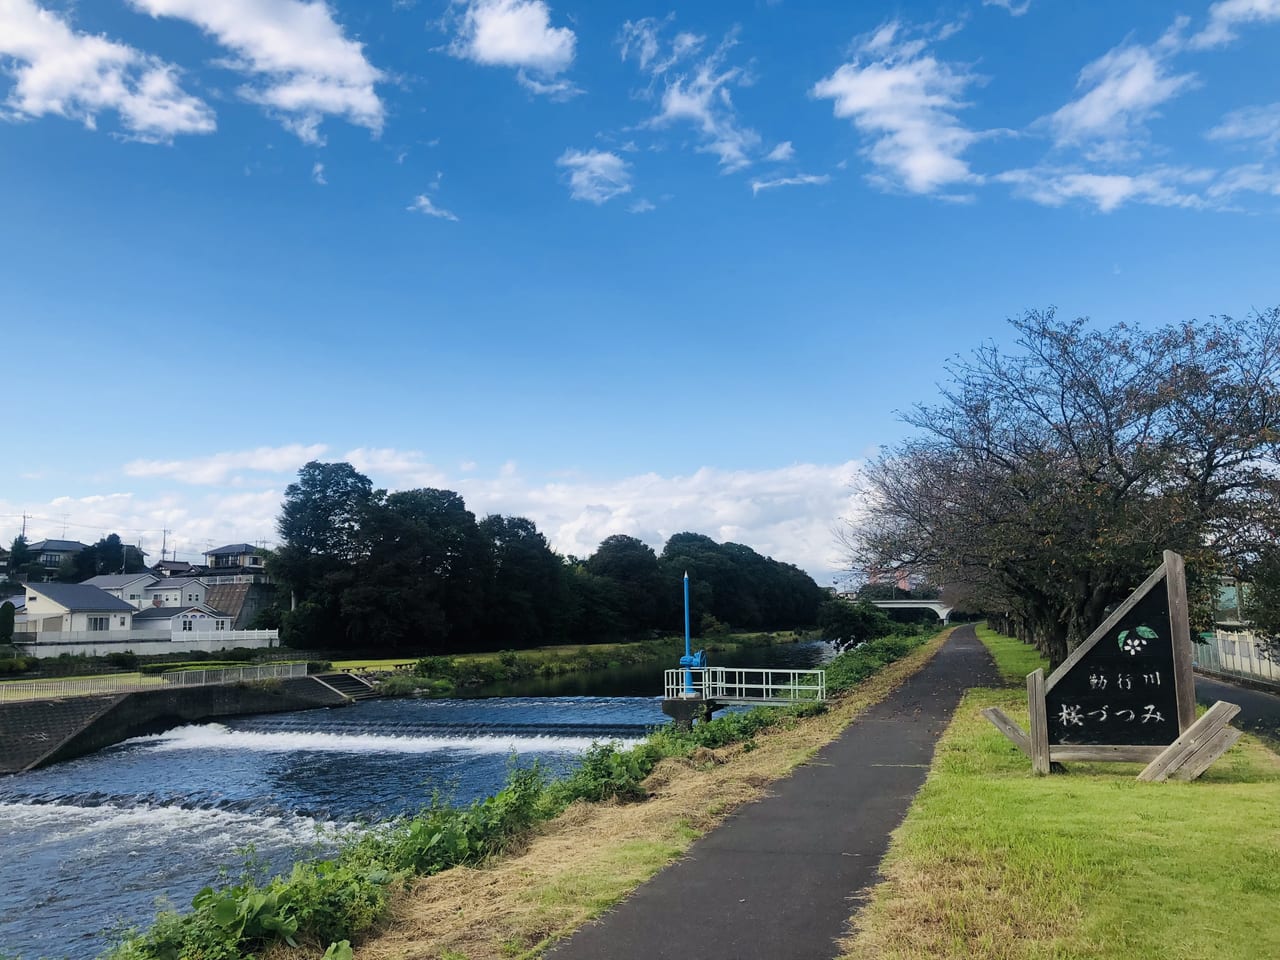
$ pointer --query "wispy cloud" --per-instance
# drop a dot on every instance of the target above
(1162, 186)
(694, 91)
(1227, 16)
(1261, 124)
(905, 100)
(781, 153)
(1247, 178)
(301, 65)
(1123, 90)
(1012, 6)
(219, 467)
(641, 206)
(517, 34)
(317, 173)
(595, 175)
(60, 71)
(424, 205)
(799, 180)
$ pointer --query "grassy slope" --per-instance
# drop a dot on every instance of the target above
(995, 863)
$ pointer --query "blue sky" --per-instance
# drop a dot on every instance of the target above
(624, 267)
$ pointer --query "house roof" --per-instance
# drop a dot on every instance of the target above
(114, 581)
(64, 546)
(78, 597)
(168, 613)
(231, 549)
(173, 565)
(18, 602)
(171, 583)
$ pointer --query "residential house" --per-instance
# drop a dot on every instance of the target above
(130, 587)
(75, 607)
(235, 557)
(175, 568)
(180, 619)
(173, 592)
(51, 553)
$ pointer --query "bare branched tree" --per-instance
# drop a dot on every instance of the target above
(1048, 480)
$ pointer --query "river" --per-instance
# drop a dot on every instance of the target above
(91, 845)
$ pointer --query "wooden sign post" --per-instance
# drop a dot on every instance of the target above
(1127, 693)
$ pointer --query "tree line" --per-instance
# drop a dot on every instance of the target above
(1048, 479)
(108, 555)
(416, 570)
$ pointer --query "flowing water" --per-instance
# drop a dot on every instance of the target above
(91, 844)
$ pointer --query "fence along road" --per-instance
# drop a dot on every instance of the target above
(15, 690)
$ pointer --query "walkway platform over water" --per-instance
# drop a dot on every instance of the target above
(777, 880)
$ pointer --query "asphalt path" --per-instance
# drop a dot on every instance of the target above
(780, 878)
(1259, 712)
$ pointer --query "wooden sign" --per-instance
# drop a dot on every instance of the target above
(1127, 693)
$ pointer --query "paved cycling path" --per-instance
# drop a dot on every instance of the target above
(775, 880)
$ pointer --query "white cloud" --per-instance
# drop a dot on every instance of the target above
(219, 468)
(595, 175)
(698, 93)
(1124, 87)
(423, 204)
(517, 33)
(59, 71)
(781, 153)
(905, 99)
(786, 512)
(1226, 16)
(1162, 186)
(317, 173)
(801, 179)
(1015, 9)
(641, 206)
(1249, 178)
(1251, 123)
(303, 67)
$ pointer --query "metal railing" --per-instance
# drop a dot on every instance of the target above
(14, 690)
(1237, 655)
(266, 671)
(746, 684)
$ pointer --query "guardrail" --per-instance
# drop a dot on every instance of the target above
(266, 671)
(746, 684)
(14, 690)
(1236, 655)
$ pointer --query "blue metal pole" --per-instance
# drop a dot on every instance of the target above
(688, 674)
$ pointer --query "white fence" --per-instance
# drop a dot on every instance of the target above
(142, 642)
(13, 690)
(746, 684)
(266, 671)
(1236, 655)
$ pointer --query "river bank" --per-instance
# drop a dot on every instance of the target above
(686, 782)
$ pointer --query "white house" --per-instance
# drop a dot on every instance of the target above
(174, 592)
(129, 587)
(234, 555)
(180, 619)
(75, 607)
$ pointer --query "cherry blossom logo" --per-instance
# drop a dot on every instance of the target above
(1134, 641)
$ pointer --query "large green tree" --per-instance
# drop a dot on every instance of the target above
(1050, 477)
(633, 567)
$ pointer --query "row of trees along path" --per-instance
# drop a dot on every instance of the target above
(1046, 482)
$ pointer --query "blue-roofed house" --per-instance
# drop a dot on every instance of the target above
(75, 608)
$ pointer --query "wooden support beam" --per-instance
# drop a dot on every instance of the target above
(1198, 735)
(1039, 723)
(1104, 752)
(1005, 725)
(1203, 757)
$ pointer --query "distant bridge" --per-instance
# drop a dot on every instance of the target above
(943, 610)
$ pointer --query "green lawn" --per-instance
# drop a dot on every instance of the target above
(993, 862)
(1014, 658)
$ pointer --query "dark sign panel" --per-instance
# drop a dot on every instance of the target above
(1122, 690)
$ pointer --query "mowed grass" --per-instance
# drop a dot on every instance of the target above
(993, 862)
(1014, 658)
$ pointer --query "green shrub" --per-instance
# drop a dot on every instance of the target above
(12, 665)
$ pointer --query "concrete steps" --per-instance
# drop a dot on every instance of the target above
(348, 685)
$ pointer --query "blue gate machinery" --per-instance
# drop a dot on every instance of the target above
(695, 690)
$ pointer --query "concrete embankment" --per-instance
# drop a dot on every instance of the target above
(35, 733)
